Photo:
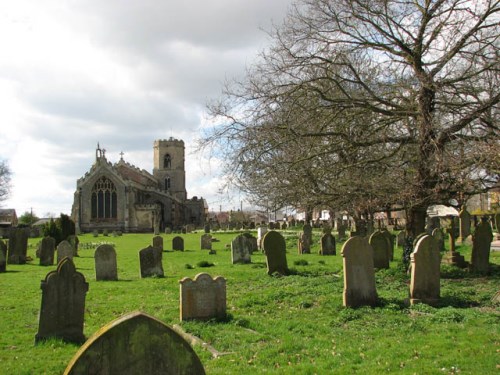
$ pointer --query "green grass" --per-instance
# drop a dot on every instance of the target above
(292, 324)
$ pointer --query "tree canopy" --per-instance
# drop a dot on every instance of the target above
(5, 175)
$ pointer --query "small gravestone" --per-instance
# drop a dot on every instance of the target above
(206, 242)
(74, 242)
(158, 242)
(3, 256)
(105, 263)
(261, 231)
(328, 245)
(178, 243)
(203, 298)
(439, 237)
(241, 248)
(206, 228)
(305, 240)
(341, 229)
(275, 250)
(150, 261)
(425, 272)
(465, 224)
(64, 250)
(381, 249)
(359, 273)
(400, 239)
(18, 246)
(481, 246)
(252, 240)
(47, 248)
(136, 343)
(168, 230)
(284, 225)
(390, 241)
(63, 304)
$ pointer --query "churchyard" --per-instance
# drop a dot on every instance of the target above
(274, 324)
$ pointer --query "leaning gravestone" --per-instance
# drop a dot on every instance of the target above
(158, 242)
(136, 343)
(328, 245)
(381, 249)
(203, 298)
(241, 248)
(47, 248)
(425, 272)
(150, 260)
(359, 273)
(275, 250)
(481, 246)
(63, 304)
(465, 223)
(439, 237)
(105, 263)
(18, 246)
(64, 250)
(305, 240)
(178, 243)
(3, 256)
(206, 242)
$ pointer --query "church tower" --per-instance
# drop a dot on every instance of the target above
(169, 167)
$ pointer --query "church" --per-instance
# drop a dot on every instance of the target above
(122, 197)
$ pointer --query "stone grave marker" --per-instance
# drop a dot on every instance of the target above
(252, 240)
(168, 230)
(341, 229)
(178, 243)
(241, 248)
(275, 250)
(425, 272)
(381, 249)
(206, 242)
(206, 228)
(158, 242)
(305, 240)
(150, 261)
(400, 239)
(328, 245)
(481, 246)
(390, 241)
(284, 226)
(439, 237)
(105, 263)
(359, 273)
(18, 246)
(135, 343)
(47, 249)
(74, 242)
(261, 231)
(63, 304)
(203, 298)
(3, 256)
(465, 224)
(64, 249)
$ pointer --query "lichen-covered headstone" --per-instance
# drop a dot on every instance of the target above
(178, 243)
(47, 248)
(203, 298)
(3, 256)
(305, 240)
(150, 261)
(425, 271)
(64, 250)
(481, 246)
(274, 246)
(63, 304)
(105, 263)
(381, 249)
(18, 246)
(206, 242)
(328, 245)
(359, 273)
(158, 242)
(136, 343)
(241, 248)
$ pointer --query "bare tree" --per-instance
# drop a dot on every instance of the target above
(5, 175)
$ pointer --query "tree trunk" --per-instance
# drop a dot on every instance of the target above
(415, 222)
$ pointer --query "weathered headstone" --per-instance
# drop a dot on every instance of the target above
(105, 263)
(381, 249)
(63, 304)
(390, 241)
(206, 242)
(178, 243)
(481, 246)
(439, 237)
(328, 245)
(202, 298)
(150, 260)
(401, 238)
(261, 231)
(168, 230)
(305, 240)
(3, 256)
(135, 343)
(252, 240)
(241, 248)
(47, 248)
(74, 242)
(18, 246)
(465, 223)
(274, 246)
(425, 272)
(158, 242)
(359, 273)
(340, 229)
(64, 250)
(206, 228)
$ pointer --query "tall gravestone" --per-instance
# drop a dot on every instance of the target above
(3, 256)
(206, 242)
(465, 224)
(105, 263)
(305, 240)
(481, 246)
(274, 246)
(18, 246)
(158, 242)
(425, 272)
(241, 248)
(47, 249)
(63, 304)
(135, 343)
(359, 273)
(381, 249)
(150, 262)
(203, 298)
(178, 243)
(390, 241)
(64, 250)
(328, 244)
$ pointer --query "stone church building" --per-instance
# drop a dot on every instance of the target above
(125, 198)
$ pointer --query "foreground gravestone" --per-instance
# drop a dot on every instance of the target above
(105, 263)
(47, 248)
(150, 261)
(381, 249)
(63, 304)
(274, 246)
(305, 240)
(178, 243)
(158, 242)
(18, 246)
(136, 343)
(64, 250)
(425, 272)
(359, 273)
(328, 245)
(3, 256)
(241, 248)
(203, 298)
(481, 246)
(206, 242)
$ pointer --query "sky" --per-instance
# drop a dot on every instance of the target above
(122, 73)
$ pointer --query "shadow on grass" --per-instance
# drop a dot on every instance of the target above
(456, 301)
(453, 272)
(10, 271)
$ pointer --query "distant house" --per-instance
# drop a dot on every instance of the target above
(8, 218)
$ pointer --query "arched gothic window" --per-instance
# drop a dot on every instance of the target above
(167, 183)
(104, 199)
(167, 161)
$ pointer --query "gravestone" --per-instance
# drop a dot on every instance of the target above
(305, 240)
(425, 272)
(252, 240)
(206, 242)
(400, 239)
(47, 248)
(328, 245)
(206, 228)
(465, 223)
(18, 246)
(3, 256)
(105, 263)
(274, 247)
(74, 242)
(203, 298)
(158, 242)
(481, 246)
(261, 231)
(284, 225)
(390, 240)
(241, 248)
(381, 249)
(168, 230)
(150, 261)
(359, 273)
(64, 249)
(340, 229)
(178, 243)
(439, 237)
(63, 304)
(135, 343)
